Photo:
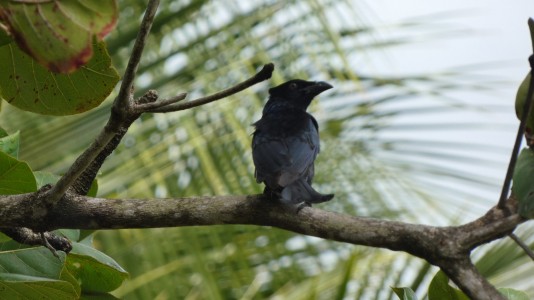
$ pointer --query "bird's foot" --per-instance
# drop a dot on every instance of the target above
(301, 205)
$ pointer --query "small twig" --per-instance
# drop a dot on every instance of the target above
(124, 97)
(264, 74)
(521, 130)
(161, 103)
(47, 245)
(522, 244)
(121, 106)
(50, 240)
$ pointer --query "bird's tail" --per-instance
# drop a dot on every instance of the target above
(300, 191)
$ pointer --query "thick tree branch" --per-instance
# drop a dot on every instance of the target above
(84, 212)
(446, 247)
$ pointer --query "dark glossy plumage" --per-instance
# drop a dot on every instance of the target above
(286, 143)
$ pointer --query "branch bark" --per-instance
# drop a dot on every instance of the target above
(428, 242)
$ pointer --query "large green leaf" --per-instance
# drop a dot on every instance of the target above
(523, 182)
(38, 262)
(14, 286)
(31, 87)
(96, 271)
(16, 177)
(4, 38)
(404, 293)
(10, 144)
(440, 289)
(34, 273)
(520, 98)
(58, 34)
(512, 294)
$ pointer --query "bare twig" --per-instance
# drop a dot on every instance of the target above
(264, 74)
(124, 97)
(521, 130)
(50, 240)
(523, 246)
(161, 103)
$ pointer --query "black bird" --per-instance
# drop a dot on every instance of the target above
(286, 143)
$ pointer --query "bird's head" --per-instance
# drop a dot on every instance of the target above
(295, 93)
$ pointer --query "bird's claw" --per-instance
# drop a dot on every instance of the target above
(301, 205)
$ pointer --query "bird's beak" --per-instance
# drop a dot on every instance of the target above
(317, 88)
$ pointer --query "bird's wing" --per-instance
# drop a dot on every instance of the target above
(280, 161)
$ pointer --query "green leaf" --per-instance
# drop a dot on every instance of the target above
(68, 27)
(4, 238)
(523, 182)
(43, 178)
(343, 285)
(93, 190)
(35, 273)
(98, 297)
(65, 275)
(96, 271)
(520, 99)
(31, 87)
(15, 286)
(3, 133)
(512, 294)
(38, 262)
(404, 293)
(86, 237)
(16, 177)
(71, 234)
(10, 144)
(440, 289)
(4, 38)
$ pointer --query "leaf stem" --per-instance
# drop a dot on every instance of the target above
(521, 130)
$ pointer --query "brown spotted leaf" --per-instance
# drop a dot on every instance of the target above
(29, 86)
(58, 34)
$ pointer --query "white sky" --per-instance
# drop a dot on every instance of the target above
(493, 33)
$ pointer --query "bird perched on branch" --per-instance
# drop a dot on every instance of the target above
(286, 143)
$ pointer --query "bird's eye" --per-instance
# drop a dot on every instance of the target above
(293, 86)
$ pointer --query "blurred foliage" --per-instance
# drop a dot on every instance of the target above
(388, 151)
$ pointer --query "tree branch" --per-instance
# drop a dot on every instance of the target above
(82, 212)
(470, 281)
(124, 98)
(446, 247)
(29, 237)
(120, 110)
(264, 74)
(523, 245)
